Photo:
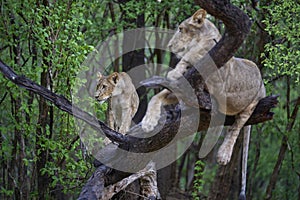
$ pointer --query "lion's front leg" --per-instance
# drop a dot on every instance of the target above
(153, 113)
(110, 116)
(125, 120)
(179, 70)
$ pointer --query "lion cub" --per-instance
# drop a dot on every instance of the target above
(123, 99)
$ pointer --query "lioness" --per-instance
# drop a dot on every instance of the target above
(241, 86)
(124, 100)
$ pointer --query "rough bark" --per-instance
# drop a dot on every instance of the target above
(134, 57)
(237, 27)
(262, 113)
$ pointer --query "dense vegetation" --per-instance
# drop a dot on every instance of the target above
(41, 155)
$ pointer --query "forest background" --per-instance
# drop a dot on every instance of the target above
(41, 156)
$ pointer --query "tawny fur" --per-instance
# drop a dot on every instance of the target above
(124, 100)
(242, 85)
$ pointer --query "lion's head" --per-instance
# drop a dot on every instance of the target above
(187, 32)
(105, 86)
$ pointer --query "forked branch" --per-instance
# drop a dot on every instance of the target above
(237, 27)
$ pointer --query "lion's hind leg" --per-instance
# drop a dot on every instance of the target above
(225, 150)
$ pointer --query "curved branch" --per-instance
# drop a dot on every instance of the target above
(237, 27)
(148, 144)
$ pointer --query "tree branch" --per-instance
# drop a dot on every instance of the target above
(237, 27)
(128, 142)
(61, 102)
(281, 155)
(148, 144)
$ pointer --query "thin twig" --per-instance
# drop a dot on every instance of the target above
(281, 155)
(3, 98)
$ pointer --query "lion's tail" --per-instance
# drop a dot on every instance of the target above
(247, 130)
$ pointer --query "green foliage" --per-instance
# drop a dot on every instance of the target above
(282, 62)
(54, 38)
(39, 38)
(266, 139)
(198, 180)
(282, 52)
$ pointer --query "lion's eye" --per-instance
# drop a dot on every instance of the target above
(103, 86)
(180, 29)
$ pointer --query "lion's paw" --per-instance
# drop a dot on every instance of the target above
(150, 121)
(147, 127)
(224, 154)
(173, 75)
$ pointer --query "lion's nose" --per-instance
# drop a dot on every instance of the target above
(182, 49)
(170, 46)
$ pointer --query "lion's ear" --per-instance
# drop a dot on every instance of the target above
(99, 75)
(113, 78)
(198, 18)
